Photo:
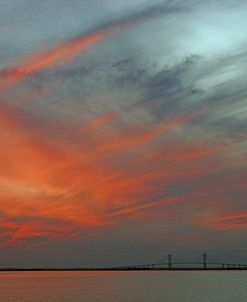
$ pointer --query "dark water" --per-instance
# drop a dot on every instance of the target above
(123, 286)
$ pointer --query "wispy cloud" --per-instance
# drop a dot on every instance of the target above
(67, 50)
(87, 177)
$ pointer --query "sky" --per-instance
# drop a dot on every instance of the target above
(123, 131)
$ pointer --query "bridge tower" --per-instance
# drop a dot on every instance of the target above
(170, 261)
(204, 261)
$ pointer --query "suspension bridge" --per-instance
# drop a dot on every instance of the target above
(203, 264)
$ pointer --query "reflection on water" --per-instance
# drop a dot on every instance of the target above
(123, 286)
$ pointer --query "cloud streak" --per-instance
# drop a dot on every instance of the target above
(67, 50)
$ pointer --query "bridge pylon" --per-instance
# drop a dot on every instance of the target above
(204, 261)
(170, 261)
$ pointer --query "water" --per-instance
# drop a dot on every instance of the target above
(159, 286)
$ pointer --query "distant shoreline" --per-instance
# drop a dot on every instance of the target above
(115, 269)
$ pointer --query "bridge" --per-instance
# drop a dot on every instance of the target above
(204, 264)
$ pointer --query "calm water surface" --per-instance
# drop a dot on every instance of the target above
(123, 286)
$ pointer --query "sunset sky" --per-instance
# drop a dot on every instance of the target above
(123, 131)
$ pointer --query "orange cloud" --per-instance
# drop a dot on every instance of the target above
(63, 183)
(233, 220)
